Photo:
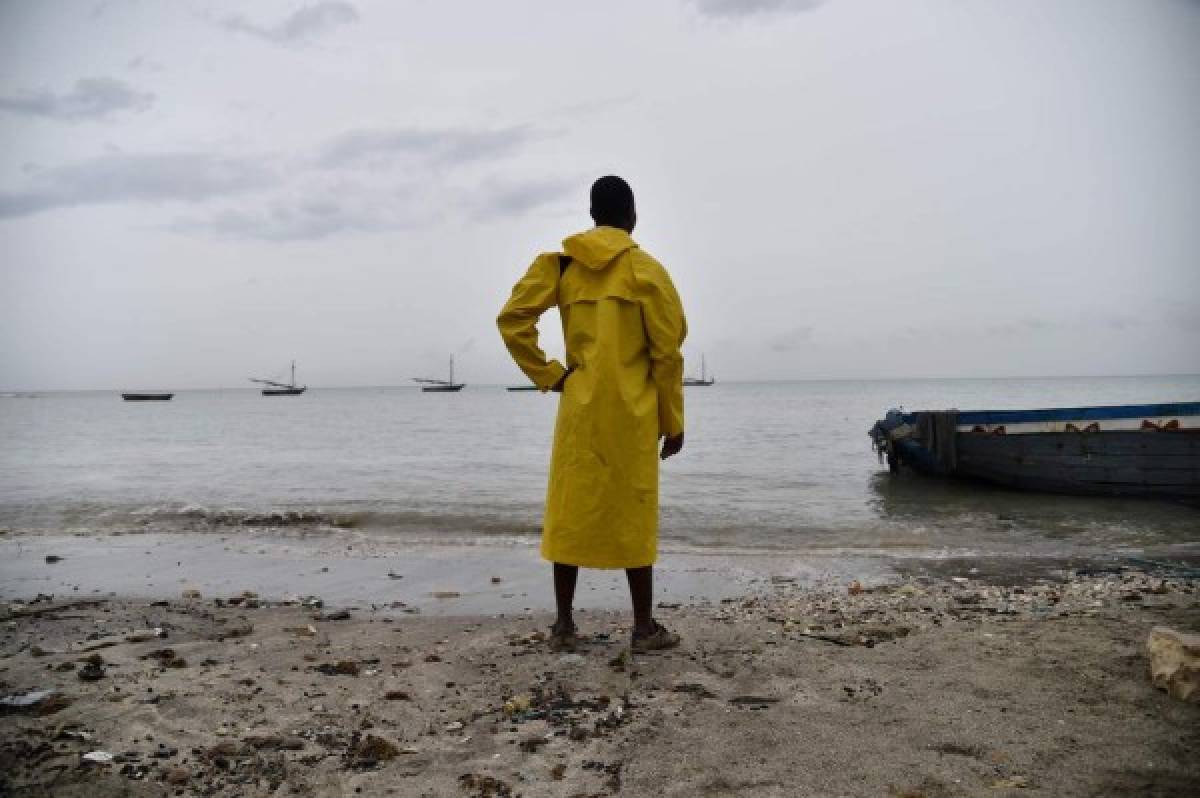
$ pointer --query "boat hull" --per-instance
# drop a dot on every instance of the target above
(147, 397)
(1101, 463)
(284, 391)
(442, 388)
(1148, 450)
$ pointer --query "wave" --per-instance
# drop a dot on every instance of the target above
(435, 524)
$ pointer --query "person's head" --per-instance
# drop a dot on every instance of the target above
(612, 203)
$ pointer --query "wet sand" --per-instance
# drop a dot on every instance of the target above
(943, 678)
(351, 569)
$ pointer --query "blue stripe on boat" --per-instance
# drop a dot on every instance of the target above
(1073, 413)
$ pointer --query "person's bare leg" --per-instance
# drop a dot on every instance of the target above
(565, 577)
(641, 591)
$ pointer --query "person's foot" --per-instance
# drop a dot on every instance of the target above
(656, 638)
(563, 637)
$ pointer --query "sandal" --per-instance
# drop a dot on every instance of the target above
(658, 640)
(563, 639)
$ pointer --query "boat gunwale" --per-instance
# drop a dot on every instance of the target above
(1095, 413)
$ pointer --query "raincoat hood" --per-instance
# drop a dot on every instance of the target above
(598, 247)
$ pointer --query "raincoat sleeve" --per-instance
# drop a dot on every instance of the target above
(666, 327)
(535, 293)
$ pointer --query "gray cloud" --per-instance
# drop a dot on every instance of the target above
(186, 177)
(790, 340)
(496, 199)
(746, 8)
(323, 210)
(300, 25)
(373, 148)
(90, 98)
(307, 219)
(141, 63)
(362, 154)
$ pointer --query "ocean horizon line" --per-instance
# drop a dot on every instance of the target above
(7, 392)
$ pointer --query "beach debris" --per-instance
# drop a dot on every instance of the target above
(669, 605)
(496, 580)
(53, 558)
(867, 690)
(166, 657)
(1010, 783)
(694, 688)
(396, 695)
(531, 744)
(394, 575)
(247, 599)
(619, 662)
(343, 667)
(176, 775)
(337, 615)
(445, 594)
(191, 594)
(366, 752)
(143, 635)
(34, 702)
(222, 752)
(855, 588)
(312, 602)
(485, 786)
(1175, 663)
(453, 727)
(228, 631)
(91, 672)
(836, 640)
(558, 772)
(753, 701)
(98, 757)
(612, 769)
(275, 742)
(516, 705)
(302, 631)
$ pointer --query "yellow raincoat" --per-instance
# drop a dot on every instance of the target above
(623, 325)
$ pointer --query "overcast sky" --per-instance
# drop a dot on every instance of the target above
(192, 193)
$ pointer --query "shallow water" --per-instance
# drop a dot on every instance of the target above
(767, 466)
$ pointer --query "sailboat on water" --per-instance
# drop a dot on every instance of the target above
(704, 379)
(281, 388)
(430, 385)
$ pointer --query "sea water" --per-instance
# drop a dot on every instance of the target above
(766, 467)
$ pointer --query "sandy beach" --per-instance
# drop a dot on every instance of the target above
(945, 678)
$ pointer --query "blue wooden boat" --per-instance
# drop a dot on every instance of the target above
(1124, 450)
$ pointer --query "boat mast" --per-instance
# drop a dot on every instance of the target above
(703, 368)
(293, 374)
(452, 369)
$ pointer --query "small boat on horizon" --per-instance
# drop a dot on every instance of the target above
(143, 396)
(431, 385)
(282, 388)
(529, 387)
(1122, 450)
(704, 380)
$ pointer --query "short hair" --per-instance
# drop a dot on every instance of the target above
(612, 200)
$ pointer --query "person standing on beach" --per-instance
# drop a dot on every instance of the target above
(621, 391)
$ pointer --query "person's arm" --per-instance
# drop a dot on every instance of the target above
(666, 327)
(536, 292)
